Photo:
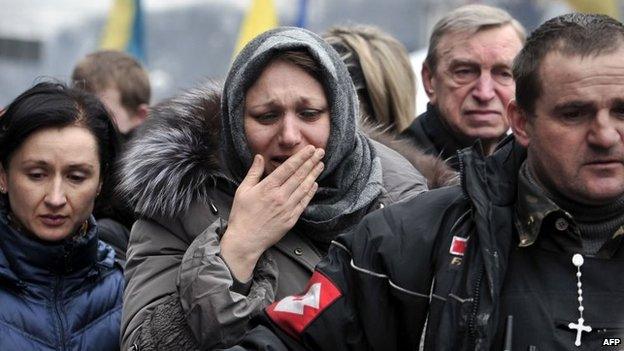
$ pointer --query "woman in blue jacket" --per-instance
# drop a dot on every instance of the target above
(60, 287)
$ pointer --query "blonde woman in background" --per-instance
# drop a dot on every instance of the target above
(381, 71)
(380, 68)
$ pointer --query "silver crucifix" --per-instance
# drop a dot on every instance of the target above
(579, 329)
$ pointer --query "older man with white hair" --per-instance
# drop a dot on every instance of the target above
(467, 78)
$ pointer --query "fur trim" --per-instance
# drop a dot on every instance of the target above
(434, 169)
(173, 159)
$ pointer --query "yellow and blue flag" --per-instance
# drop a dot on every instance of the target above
(124, 29)
(262, 16)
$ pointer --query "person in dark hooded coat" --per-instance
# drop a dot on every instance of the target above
(231, 222)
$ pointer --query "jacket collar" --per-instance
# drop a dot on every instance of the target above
(494, 177)
(535, 213)
(34, 260)
(445, 143)
(532, 207)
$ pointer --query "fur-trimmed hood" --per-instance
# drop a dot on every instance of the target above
(173, 160)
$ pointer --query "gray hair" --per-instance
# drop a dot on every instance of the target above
(469, 19)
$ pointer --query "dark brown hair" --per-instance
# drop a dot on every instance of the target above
(573, 34)
(54, 105)
(302, 60)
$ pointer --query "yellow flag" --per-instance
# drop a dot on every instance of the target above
(606, 7)
(124, 29)
(260, 17)
(118, 28)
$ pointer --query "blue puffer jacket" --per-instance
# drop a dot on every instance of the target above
(59, 296)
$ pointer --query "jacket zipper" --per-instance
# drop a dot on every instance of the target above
(472, 323)
(462, 175)
(57, 310)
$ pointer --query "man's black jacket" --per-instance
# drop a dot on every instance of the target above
(405, 264)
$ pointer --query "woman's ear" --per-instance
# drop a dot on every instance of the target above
(518, 119)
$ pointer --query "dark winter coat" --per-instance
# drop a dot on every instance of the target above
(64, 296)
(406, 269)
(430, 134)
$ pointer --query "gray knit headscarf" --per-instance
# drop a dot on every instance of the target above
(352, 177)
